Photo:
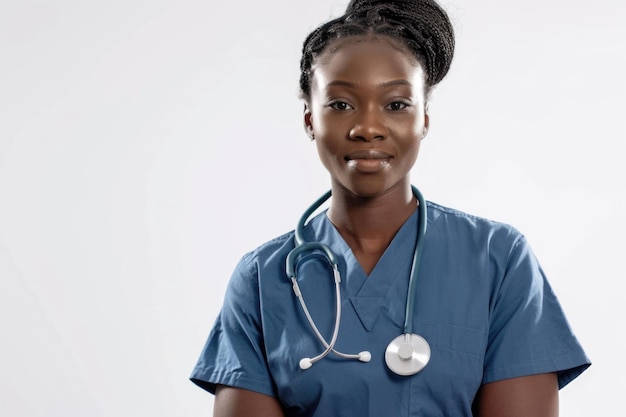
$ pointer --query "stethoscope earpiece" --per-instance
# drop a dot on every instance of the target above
(305, 363)
(408, 353)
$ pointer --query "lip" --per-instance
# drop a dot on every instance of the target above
(368, 154)
(368, 161)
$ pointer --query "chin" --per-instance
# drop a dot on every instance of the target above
(368, 189)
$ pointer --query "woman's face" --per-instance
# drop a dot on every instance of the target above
(367, 114)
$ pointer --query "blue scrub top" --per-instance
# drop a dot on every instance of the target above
(482, 303)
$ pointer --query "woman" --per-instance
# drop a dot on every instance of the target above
(492, 341)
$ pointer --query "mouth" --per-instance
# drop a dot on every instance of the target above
(368, 161)
(369, 154)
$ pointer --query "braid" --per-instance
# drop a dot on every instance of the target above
(421, 25)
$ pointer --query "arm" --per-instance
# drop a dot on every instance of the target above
(237, 402)
(534, 395)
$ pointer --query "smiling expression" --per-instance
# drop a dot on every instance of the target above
(367, 113)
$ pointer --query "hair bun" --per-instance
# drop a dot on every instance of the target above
(356, 5)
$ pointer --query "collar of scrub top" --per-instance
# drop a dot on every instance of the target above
(408, 353)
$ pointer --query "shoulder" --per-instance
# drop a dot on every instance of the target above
(273, 251)
(251, 273)
(438, 212)
(475, 240)
(462, 224)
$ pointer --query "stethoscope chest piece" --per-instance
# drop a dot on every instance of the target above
(407, 354)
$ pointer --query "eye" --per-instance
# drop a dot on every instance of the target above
(340, 105)
(398, 105)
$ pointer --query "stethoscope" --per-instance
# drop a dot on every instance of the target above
(408, 353)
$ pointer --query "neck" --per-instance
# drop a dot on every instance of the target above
(369, 224)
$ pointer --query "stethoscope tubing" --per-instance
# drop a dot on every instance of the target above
(328, 345)
(405, 355)
(417, 260)
(299, 232)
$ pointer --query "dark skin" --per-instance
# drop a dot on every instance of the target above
(367, 113)
(368, 117)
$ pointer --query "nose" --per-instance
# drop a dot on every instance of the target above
(368, 126)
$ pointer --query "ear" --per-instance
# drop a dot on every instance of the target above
(308, 121)
(426, 122)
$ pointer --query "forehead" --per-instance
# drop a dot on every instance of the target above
(367, 60)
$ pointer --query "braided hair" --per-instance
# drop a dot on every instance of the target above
(422, 26)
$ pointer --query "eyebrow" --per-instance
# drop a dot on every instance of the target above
(385, 84)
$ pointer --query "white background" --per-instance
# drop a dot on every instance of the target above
(146, 145)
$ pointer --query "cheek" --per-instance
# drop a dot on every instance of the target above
(411, 153)
(411, 135)
(412, 144)
(326, 149)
